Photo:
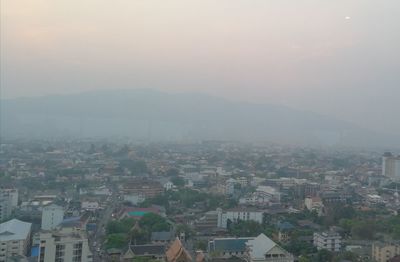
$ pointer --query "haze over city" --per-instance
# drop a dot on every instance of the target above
(199, 131)
(336, 58)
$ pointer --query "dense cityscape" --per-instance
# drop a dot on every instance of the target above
(205, 201)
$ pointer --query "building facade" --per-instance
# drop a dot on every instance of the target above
(383, 252)
(331, 241)
(391, 166)
(15, 238)
(8, 201)
(235, 215)
(52, 216)
(263, 249)
(64, 245)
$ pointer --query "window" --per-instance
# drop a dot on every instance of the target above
(78, 246)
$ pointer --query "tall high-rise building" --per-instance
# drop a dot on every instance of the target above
(8, 201)
(52, 216)
(391, 166)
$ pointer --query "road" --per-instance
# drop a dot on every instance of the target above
(98, 237)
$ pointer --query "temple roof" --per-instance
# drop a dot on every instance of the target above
(177, 252)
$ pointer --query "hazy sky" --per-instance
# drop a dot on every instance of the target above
(338, 57)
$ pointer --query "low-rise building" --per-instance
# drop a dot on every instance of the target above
(15, 238)
(144, 187)
(328, 240)
(134, 199)
(208, 222)
(382, 252)
(177, 253)
(90, 205)
(228, 247)
(263, 249)
(163, 237)
(235, 215)
(169, 185)
(153, 252)
(313, 203)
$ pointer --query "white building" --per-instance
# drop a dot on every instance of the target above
(66, 244)
(331, 241)
(90, 205)
(169, 186)
(263, 195)
(313, 203)
(263, 249)
(243, 181)
(374, 199)
(391, 166)
(52, 216)
(230, 186)
(15, 238)
(8, 201)
(236, 215)
(270, 192)
(134, 199)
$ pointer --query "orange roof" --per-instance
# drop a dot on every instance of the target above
(200, 257)
(177, 252)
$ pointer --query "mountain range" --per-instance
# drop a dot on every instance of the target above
(147, 114)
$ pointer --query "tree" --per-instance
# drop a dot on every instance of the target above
(183, 228)
(121, 226)
(152, 222)
(201, 245)
(364, 230)
(116, 240)
(304, 259)
(246, 228)
(298, 247)
(136, 167)
(324, 255)
(172, 172)
(347, 256)
(178, 181)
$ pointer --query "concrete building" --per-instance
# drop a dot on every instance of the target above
(52, 216)
(243, 181)
(8, 201)
(143, 187)
(391, 166)
(66, 244)
(331, 241)
(382, 252)
(169, 185)
(313, 203)
(264, 195)
(228, 247)
(230, 186)
(90, 205)
(15, 238)
(234, 215)
(208, 222)
(134, 199)
(263, 249)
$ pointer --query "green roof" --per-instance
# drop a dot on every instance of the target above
(137, 213)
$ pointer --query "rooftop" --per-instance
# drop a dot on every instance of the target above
(14, 229)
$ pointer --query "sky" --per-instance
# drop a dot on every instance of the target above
(339, 58)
